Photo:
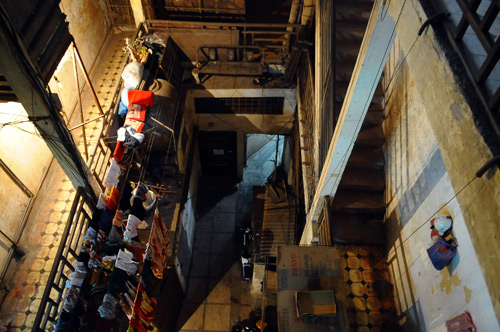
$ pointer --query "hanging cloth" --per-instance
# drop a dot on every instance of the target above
(158, 246)
(140, 97)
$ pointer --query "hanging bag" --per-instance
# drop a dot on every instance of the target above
(441, 253)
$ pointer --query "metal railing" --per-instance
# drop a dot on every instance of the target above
(275, 39)
(473, 29)
(64, 263)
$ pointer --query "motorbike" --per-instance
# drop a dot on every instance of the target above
(246, 254)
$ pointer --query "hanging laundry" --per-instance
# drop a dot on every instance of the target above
(71, 297)
(140, 97)
(131, 230)
(119, 151)
(115, 234)
(89, 239)
(123, 106)
(129, 137)
(106, 221)
(118, 218)
(137, 208)
(137, 249)
(94, 261)
(78, 276)
(108, 262)
(117, 281)
(124, 261)
(136, 124)
(136, 112)
(125, 199)
(107, 310)
(143, 312)
(158, 246)
(114, 173)
(101, 202)
(114, 198)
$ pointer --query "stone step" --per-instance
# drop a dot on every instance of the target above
(373, 119)
(349, 29)
(359, 201)
(343, 69)
(366, 157)
(370, 137)
(365, 179)
(347, 47)
(362, 229)
(355, 10)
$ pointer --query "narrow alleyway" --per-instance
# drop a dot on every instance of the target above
(217, 297)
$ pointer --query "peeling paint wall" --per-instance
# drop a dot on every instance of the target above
(462, 147)
(27, 156)
(89, 24)
(420, 187)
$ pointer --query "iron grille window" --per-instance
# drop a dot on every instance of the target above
(259, 105)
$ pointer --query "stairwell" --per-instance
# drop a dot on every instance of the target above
(357, 210)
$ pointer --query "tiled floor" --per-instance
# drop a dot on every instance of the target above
(217, 297)
(25, 281)
(370, 303)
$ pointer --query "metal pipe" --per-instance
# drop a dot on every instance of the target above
(80, 103)
(87, 122)
(87, 78)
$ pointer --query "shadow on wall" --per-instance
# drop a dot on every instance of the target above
(408, 308)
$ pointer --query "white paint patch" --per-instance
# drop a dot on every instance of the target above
(465, 288)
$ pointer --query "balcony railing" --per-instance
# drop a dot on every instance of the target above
(64, 263)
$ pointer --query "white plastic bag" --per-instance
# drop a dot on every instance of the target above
(132, 74)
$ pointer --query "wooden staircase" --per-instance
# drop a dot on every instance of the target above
(357, 210)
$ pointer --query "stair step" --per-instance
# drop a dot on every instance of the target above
(359, 201)
(359, 9)
(348, 47)
(373, 119)
(364, 229)
(370, 137)
(363, 179)
(352, 28)
(365, 157)
(343, 69)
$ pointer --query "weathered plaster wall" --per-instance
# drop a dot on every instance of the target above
(420, 187)
(89, 25)
(21, 149)
(462, 147)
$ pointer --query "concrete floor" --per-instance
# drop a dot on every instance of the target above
(216, 296)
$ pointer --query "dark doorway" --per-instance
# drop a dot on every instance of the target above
(218, 153)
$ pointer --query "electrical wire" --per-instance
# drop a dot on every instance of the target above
(429, 219)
